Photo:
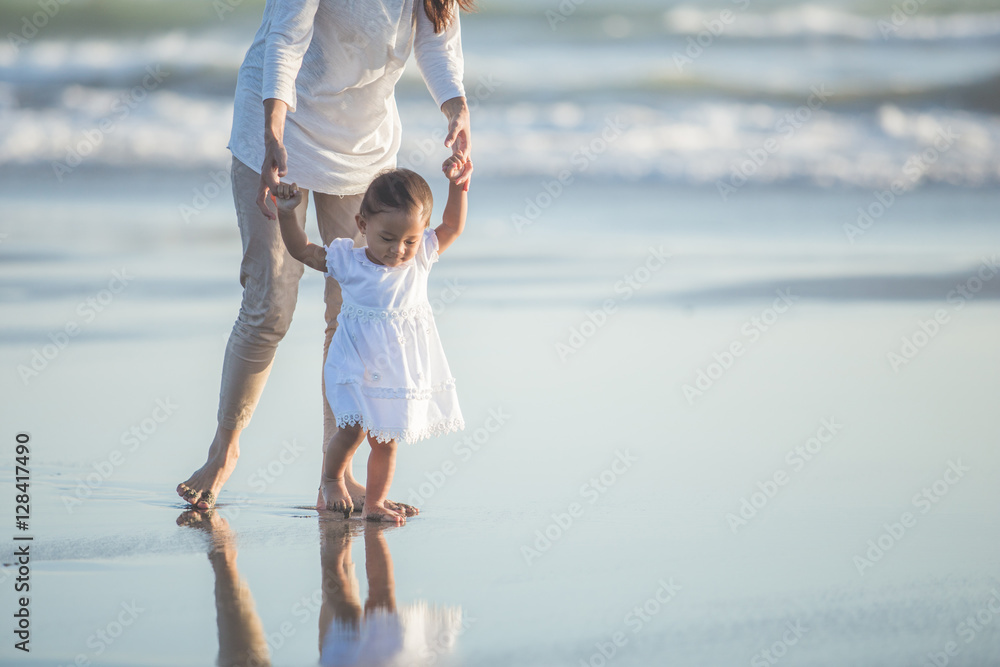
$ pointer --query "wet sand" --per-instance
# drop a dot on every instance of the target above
(813, 500)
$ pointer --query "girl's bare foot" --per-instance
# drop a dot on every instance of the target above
(202, 488)
(402, 508)
(334, 496)
(357, 492)
(381, 512)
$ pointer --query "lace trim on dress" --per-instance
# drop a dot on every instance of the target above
(409, 435)
(362, 314)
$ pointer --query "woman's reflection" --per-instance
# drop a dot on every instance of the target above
(241, 635)
(377, 634)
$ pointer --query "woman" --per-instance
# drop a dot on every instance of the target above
(319, 80)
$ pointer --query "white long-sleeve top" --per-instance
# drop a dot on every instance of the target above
(336, 64)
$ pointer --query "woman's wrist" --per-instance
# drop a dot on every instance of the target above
(455, 107)
(274, 120)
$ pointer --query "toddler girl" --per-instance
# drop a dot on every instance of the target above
(386, 373)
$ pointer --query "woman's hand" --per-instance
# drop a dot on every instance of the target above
(459, 137)
(275, 157)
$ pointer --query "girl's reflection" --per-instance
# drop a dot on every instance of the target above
(415, 634)
(378, 634)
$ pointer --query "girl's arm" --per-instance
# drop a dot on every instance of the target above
(453, 220)
(287, 198)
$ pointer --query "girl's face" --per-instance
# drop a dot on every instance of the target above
(393, 235)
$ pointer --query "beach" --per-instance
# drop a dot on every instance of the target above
(714, 415)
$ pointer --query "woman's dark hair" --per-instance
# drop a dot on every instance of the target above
(398, 190)
(440, 11)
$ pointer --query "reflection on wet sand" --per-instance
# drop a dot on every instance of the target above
(379, 633)
(242, 641)
(414, 634)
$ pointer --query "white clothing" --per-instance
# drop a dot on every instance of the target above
(415, 634)
(336, 64)
(385, 368)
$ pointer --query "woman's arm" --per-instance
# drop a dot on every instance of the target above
(455, 210)
(442, 66)
(287, 199)
(289, 35)
(459, 137)
(275, 157)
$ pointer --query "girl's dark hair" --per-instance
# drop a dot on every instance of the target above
(440, 11)
(398, 190)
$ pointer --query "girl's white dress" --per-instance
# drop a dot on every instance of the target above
(385, 368)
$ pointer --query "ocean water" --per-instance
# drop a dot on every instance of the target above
(840, 92)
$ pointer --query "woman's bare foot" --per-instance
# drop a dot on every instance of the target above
(334, 496)
(202, 488)
(215, 526)
(380, 512)
(357, 491)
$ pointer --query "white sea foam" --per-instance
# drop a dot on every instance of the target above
(818, 20)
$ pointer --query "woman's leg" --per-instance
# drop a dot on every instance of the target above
(381, 466)
(270, 278)
(334, 494)
(335, 217)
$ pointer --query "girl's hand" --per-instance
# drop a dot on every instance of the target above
(458, 171)
(286, 197)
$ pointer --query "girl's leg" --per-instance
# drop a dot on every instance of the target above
(378, 566)
(381, 466)
(335, 216)
(270, 278)
(334, 494)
